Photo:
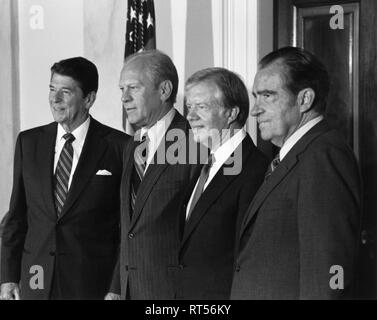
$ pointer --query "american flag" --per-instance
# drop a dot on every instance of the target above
(140, 34)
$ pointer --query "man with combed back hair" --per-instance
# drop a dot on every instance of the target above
(61, 235)
(152, 184)
(300, 235)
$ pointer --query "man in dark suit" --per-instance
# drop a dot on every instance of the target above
(299, 237)
(61, 236)
(153, 184)
(217, 102)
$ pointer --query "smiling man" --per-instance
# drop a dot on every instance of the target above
(61, 235)
(304, 221)
(217, 102)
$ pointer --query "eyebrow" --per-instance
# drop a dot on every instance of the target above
(63, 88)
(264, 92)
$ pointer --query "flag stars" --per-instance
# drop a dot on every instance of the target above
(149, 20)
(133, 13)
(141, 19)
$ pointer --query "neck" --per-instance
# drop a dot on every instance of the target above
(69, 128)
(164, 111)
(305, 118)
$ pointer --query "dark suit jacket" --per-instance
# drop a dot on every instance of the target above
(303, 220)
(77, 251)
(208, 244)
(150, 240)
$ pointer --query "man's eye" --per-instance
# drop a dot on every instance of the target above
(266, 95)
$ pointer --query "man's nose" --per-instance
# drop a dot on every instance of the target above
(191, 114)
(126, 97)
(57, 96)
(256, 109)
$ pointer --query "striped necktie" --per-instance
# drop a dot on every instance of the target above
(202, 181)
(272, 166)
(140, 160)
(63, 172)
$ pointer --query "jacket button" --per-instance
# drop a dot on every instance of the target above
(131, 235)
(238, 268)
(52, 253)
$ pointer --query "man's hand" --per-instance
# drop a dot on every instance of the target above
(112, 296)
(9, 291)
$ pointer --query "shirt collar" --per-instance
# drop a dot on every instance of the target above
(79, 133)
(228, 147)
(297, 135)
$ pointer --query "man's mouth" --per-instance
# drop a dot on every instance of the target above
(197, 127)
(128, 110)
(261, 122)
(58, 108)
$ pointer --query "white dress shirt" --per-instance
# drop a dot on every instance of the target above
(80, 134)
(221, 155)
(296, 136)
(156, 134)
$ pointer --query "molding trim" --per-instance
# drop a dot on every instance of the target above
(9, 96)
(236, 42)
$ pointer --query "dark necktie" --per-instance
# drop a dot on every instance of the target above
(63, 172)
(202, 181)
(272, 166)
(140, 160)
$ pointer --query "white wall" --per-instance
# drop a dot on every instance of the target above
(60, 36)
(104, 34)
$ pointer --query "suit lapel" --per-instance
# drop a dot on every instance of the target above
(92, 152)
(214, 190)
(288, 163)
(278, 175)
(155, 170)
(45, 161)
(127, 177)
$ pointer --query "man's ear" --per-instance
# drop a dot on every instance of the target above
(89, 99)
(166, 88)
(305, 99)
(234, 112)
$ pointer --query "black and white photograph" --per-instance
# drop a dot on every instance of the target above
(190, 154)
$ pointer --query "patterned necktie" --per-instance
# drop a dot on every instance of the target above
(202, 181)
(140, 160)
(63, 172)
(272, 166)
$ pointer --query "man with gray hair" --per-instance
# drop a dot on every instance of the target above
(217, 103)
(152, 187)
(299, 237)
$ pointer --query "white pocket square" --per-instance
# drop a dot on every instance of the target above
(103, 173)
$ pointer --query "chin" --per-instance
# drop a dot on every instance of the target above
(59, 119)
(132, 120)
(265, 136)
